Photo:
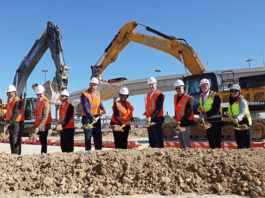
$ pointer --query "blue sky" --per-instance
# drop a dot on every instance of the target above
(223, 33)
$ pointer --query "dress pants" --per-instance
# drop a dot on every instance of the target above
(155, 136)
(244, 138)
(97, 136)
(184, 138)
(67, 140)
(121, 138)
(214, 135)
(43, 140)
(15, 131)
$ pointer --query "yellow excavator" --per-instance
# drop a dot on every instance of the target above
(253, 87)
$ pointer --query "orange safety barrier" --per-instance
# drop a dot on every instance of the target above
(205, 145)
(79, 143)
(133, 144)
(108, 144)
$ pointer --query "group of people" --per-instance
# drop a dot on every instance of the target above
(92, 109)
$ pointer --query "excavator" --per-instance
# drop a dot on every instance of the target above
(182, 51)
(51, 39)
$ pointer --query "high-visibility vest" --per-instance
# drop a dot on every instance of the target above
(125, 115)
(62, 115)
(234, 110)
(38, 111)
(180, 107)
(151, 104)
(207, 106)
(94, 103)
(10, 109)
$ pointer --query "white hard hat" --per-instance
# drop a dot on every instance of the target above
(39, 89)
(11, 88)
(64, 93)
(235, 86)
(124, 91)
(151, 80)
(204, 81)
(178, 83)
(94, 80)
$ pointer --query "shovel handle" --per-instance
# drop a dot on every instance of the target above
(4, 131)
(93, 122)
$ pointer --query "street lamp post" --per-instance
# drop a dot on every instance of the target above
(45, 71)
(248, 61)
(158, 71)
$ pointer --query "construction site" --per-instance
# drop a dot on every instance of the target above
(140, 170)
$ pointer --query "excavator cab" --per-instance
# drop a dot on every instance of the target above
(192, 86)
(29, 108)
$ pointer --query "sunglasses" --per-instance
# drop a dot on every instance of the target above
(178, 88)
(234, 91)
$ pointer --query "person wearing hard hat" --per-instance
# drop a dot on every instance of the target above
(43, 118)
(14, 119)
(238, 108)
(122, 115)
(92, 107)
(184, 115)
(154, 113)
(66, 122)
(211, 110)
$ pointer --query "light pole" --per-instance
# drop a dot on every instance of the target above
(45, 71)
(158, 71)
(248, 61)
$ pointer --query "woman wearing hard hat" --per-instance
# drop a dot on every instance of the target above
(238, 108)
(43, 118)
(66, 123)
(14, 119)
(122, 115)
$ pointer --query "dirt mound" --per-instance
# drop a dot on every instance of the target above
(128, 172)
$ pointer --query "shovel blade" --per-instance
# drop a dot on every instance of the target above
(242, 127)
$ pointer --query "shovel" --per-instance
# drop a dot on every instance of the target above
(150, 124)
(90, 126)
(59, 128)
(118, 128)
(4, 135)
(179, 129)
(239, 127)
(205, 125)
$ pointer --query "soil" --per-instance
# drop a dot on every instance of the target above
(135, 172)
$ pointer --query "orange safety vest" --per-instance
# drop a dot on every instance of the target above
(94, 103)
(10, 109)
(38, 111)
(62, 115)
(125, 115)
(180, 107)
(151, 104)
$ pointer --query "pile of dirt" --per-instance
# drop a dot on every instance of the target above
(138, 133)
(128, 172)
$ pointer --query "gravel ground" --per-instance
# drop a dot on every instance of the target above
(151, 172)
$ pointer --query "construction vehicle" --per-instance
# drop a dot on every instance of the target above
(180, 49)
(51, 39)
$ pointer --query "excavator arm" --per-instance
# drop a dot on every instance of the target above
(178, 48)
(50, 38)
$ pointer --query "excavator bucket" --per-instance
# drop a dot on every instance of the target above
(52, 92)
(108, 90)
